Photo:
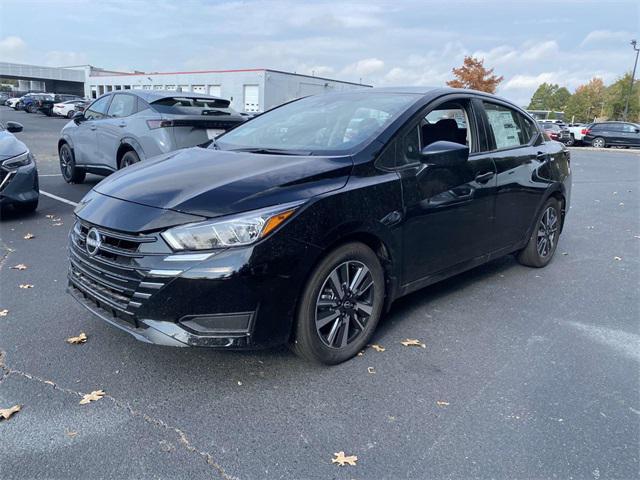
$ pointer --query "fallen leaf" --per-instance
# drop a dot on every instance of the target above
(57, 224)
(371, 370)
(565, 253)
(442, 403)
(79, 339)
(412, 342)
(360, 353)
(29, 236)
(49, 382)
(617, 258)
(50, 216)
(57, 219)
(342, 460)
(4, 312)
(378, 348)
(92, 397)
(621, 204)
(26, 285)
(6, 413)
(239, 383)
(70, 433)
(20, 266)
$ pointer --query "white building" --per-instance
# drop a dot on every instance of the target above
(249, 90)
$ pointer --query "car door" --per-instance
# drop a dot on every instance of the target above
(113, 128)
(519, 153)
(447, 210)
(630, 135)
(85, 145)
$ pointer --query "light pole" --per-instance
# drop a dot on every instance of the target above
(633, 77)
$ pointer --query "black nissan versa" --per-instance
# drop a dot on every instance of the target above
(304, 224)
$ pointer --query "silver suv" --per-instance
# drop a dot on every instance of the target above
(126, 126)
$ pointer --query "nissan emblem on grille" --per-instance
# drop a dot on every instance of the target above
(93, 241)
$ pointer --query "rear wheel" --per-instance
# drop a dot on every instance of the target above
(70, 172)
(340, 305)
(571, 141)
(32, 109)
(598, 142)
(129, 158)
(71, 113)
(544, 238)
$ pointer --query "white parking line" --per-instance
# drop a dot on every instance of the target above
(60, 199)
(49, 174)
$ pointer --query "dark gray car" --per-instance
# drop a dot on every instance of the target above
(126, 126)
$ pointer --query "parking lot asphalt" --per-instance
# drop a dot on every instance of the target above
(527, 373)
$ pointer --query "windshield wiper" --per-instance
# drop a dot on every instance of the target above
(271, 151)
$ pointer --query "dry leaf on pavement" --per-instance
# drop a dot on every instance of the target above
(6, 413)
(342, 460)
(442, 403)
(26, 285)
(20, 266)
(4, 312)
(50, 216)
(412, 342)
(79, 339)
(57, 224)
(29, 236)
(70, 433)
(371, 370)
(92, 397)
(617, 258)
(378, 348)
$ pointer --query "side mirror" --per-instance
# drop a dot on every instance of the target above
(14, 127)
(445, 154)
(78, 117)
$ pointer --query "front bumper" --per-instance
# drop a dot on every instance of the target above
(235, 298)
(19, 185)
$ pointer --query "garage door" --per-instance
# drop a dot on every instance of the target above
(198, 89)
(215, 90)
(251, 98)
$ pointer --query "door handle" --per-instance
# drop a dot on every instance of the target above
(92, 127)
(122, 124)
(485, 177)
(541, 156)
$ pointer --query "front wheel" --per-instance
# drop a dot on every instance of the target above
(70, 114)
(544, 238)
(571, 141)
(70, 172)
(598, 142)
(341, 305)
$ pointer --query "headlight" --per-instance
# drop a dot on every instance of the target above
(18, 161)
(233, 231)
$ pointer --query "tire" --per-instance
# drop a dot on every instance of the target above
(598, 142)
(33, 109)
(338, 307)
(70, 114)
(544, 238)
(571, 142)
(70, 172)
(26, 207)
(129, 158)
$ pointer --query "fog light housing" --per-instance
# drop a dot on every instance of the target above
(219, 323)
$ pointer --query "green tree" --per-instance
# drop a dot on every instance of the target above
(587, 102)
(550, 96)
(616, 96)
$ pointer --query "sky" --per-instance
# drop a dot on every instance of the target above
(382, 43)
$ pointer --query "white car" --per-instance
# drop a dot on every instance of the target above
(68, 108)
(12, 102)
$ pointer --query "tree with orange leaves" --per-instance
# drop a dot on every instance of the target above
(472, 74)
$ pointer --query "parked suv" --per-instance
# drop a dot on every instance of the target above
(304, 224)
(122, 128)
(609, 134)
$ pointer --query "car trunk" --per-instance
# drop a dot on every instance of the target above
(190, 130)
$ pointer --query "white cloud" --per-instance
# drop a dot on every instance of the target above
(60, 58)
(12, 49)
(606, 36)
(364, 67)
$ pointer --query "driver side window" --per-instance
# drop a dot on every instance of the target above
(97, 109)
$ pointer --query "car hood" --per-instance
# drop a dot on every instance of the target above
(211, 183)
(10, 146)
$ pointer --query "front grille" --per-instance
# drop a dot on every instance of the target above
(112, 278)
(5, 176)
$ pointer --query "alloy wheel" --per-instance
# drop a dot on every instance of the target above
(547, 232)
(66, 163)
(344, 304)
(598, 143)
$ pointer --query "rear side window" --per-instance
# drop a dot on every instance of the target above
(122, 106)
(192, 106)
(630, 128)
(98, 109)
(508, 126)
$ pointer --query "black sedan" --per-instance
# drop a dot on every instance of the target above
(18, 172)
(304, 224)
(610, 134)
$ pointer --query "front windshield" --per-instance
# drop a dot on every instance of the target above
(323, 123)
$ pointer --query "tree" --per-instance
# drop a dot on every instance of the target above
(473, 74)
(550, 96)
(616, 97)
(587, 102)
